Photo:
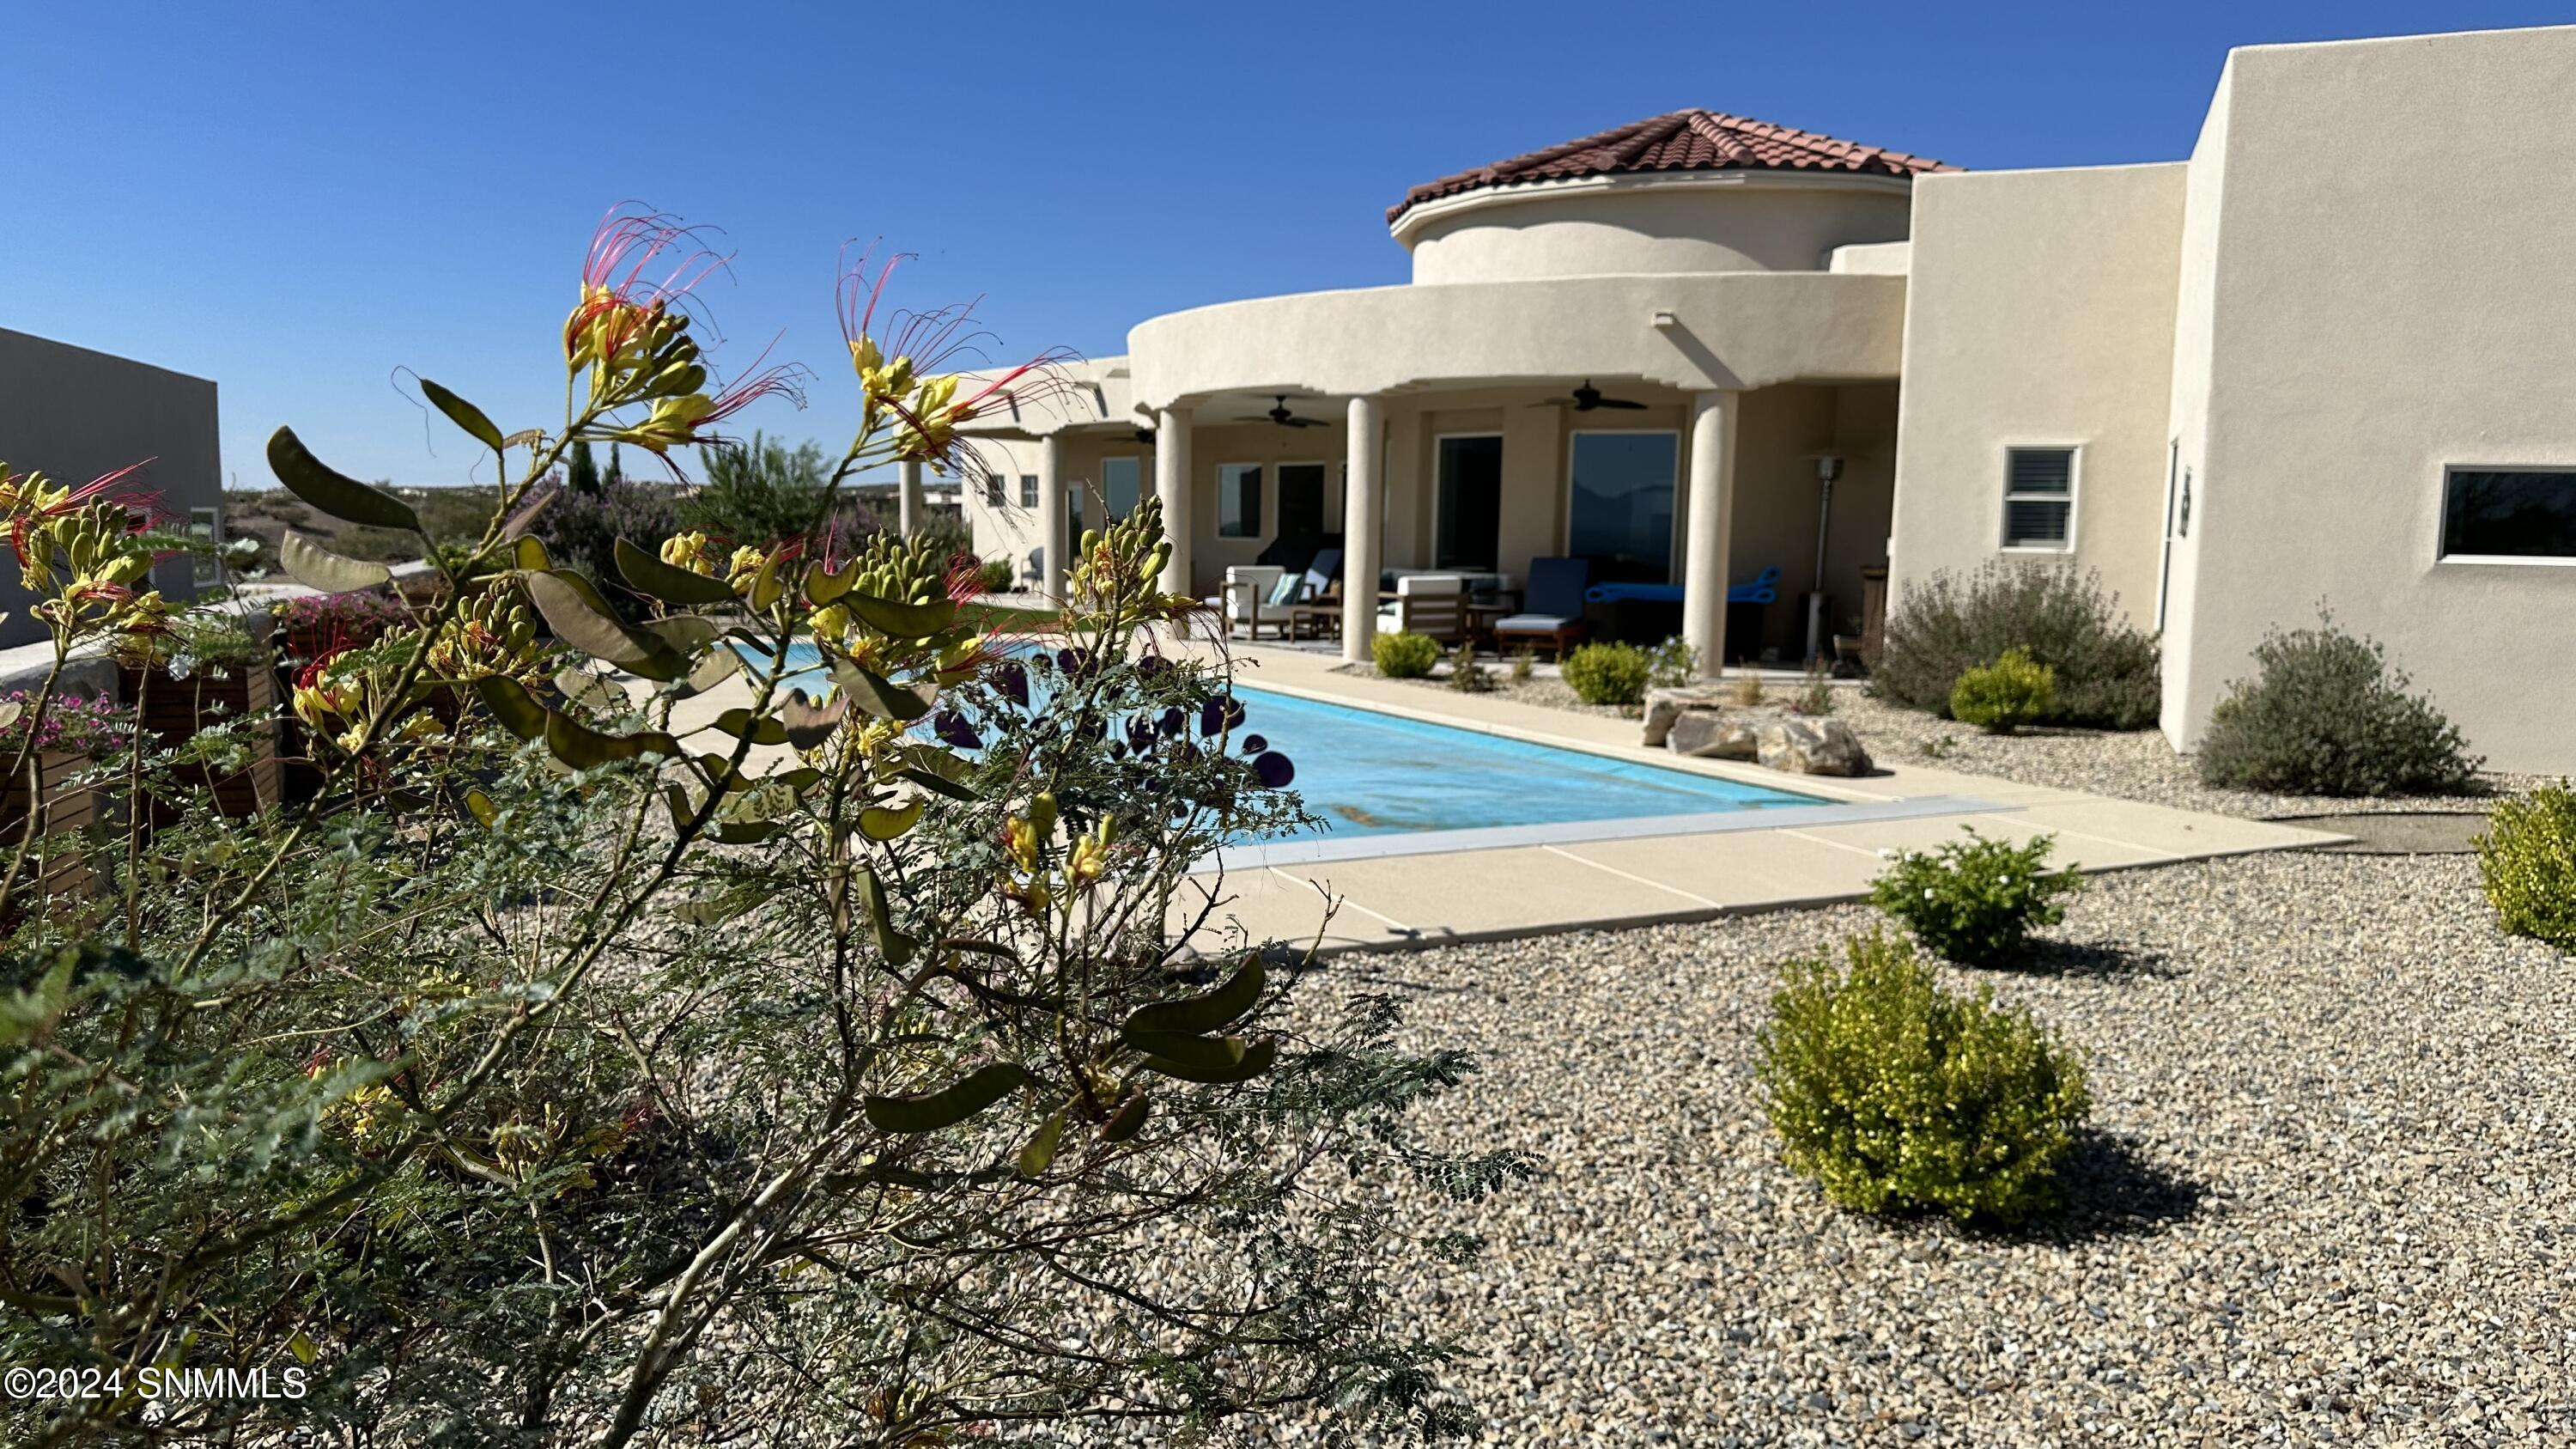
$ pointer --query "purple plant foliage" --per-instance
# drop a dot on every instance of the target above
(325, 622)
(1274, 770)
(1219, 714)
(73, 725)
(1254, 744)
(1013, 680)
(952, 728)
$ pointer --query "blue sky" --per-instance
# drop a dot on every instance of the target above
(297, 201)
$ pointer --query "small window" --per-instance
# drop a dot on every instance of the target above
(207, 525)
(2039, 498)
(2516, 513)
(1120, 481)
(1028, 490)
(993, 490)
(1238, 500)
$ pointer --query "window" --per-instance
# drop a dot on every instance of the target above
(1238, 500)
(2039, 498)
(993, 494)
(2526, 514)
(1120, 478)
(204, 570)
(1620, 514)
(1028, 490)
(1470, 528)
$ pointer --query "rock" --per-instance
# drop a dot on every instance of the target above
(1663, 706)
(1812, 747)
(1710, 734)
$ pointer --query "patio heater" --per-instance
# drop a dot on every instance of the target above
(1829, 467)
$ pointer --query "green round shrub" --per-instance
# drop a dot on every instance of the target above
(1949, 623)
(2003, 696)
(1404, 656)
(1974, 901)
(1608, 673)
(2528, 860)
(2326, 715)
(997, 575)
(1895, 1094)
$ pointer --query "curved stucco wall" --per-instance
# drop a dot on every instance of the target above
(1730, 330)
(1722, 223)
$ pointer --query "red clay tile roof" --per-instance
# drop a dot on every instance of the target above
(1678, 141)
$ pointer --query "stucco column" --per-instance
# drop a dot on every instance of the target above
(1711, 521)
(907, 498)
(1172, 486)
(1363, 510)
(1051, 545)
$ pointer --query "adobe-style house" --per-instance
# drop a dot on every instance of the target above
(2330, 357)
(75, 415)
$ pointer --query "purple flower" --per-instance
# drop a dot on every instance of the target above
(1273, 770)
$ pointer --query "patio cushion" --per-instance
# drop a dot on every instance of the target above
(1534, 624)
(1287, 590)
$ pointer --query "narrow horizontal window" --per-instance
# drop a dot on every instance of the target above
(2039, 497)
(2509, 513)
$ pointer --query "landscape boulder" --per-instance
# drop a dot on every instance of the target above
(1663, 706)
(1812, 747)
(1715, 734)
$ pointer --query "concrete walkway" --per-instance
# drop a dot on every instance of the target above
(1653, 875)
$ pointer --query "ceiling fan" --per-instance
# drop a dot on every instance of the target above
(1587, 397)
(1279, 414)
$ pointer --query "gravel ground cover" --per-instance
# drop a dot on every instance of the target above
(2332, 1199)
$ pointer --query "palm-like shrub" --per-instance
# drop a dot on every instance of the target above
(2105, 672)
(2325, 714)
(1896, 1094)
(1608, 673)
(2001, 697)
(2527, 858)
(1975, 900)
(821, 1072)
(1404, 656)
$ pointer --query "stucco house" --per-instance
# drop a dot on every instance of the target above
(75, 415)
(2328, 358)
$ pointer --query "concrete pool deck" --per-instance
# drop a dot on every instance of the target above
(1604, 875)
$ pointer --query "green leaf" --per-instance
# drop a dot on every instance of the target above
(480, 806)
(1256, 1060)
(762, 729)
(686, 634)
(767, 588)
(580, 618)
(713, 670)
(10, 710)
(511, 704)
(1209, 1053)
(300, 1345)
(810, 724)
(584, 748)
(595, 691)
(950, 1105)
(940, 785)
(530, 555)
(934, 768)
(746, 832)
(881, 696)
(316, 567)
(902, 621)
(1196, 1015)
(670, 583)
(898, 947)
(1035, 1158)
(342, 497)
(822, 586)
(464, 414)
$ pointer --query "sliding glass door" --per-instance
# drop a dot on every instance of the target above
(1620, 505)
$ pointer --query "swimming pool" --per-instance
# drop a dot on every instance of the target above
(1365, 774)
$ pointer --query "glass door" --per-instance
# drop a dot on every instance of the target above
(1470, 525)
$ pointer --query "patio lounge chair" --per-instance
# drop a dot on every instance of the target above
(1432, 605)
(1253, 597)
(1319, 596)
(1553, 607)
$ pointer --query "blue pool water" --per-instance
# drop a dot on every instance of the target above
(1366, 773)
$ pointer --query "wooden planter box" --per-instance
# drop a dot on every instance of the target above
(174, 710)
(64, 810)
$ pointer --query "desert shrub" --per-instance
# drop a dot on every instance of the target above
(2325, 714)
(2003, 696)
(1815, 696)
(1467, 673)
(2106, 672)
(316, 624)
(60, 724)
(1524, 664)
(1608, 673)
(997, 575)
(1974, 901)
(1745, 690)
(1671, 664)
(1404, 656)
(1896, 1094)
(562, 1072)
(2527, 858)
